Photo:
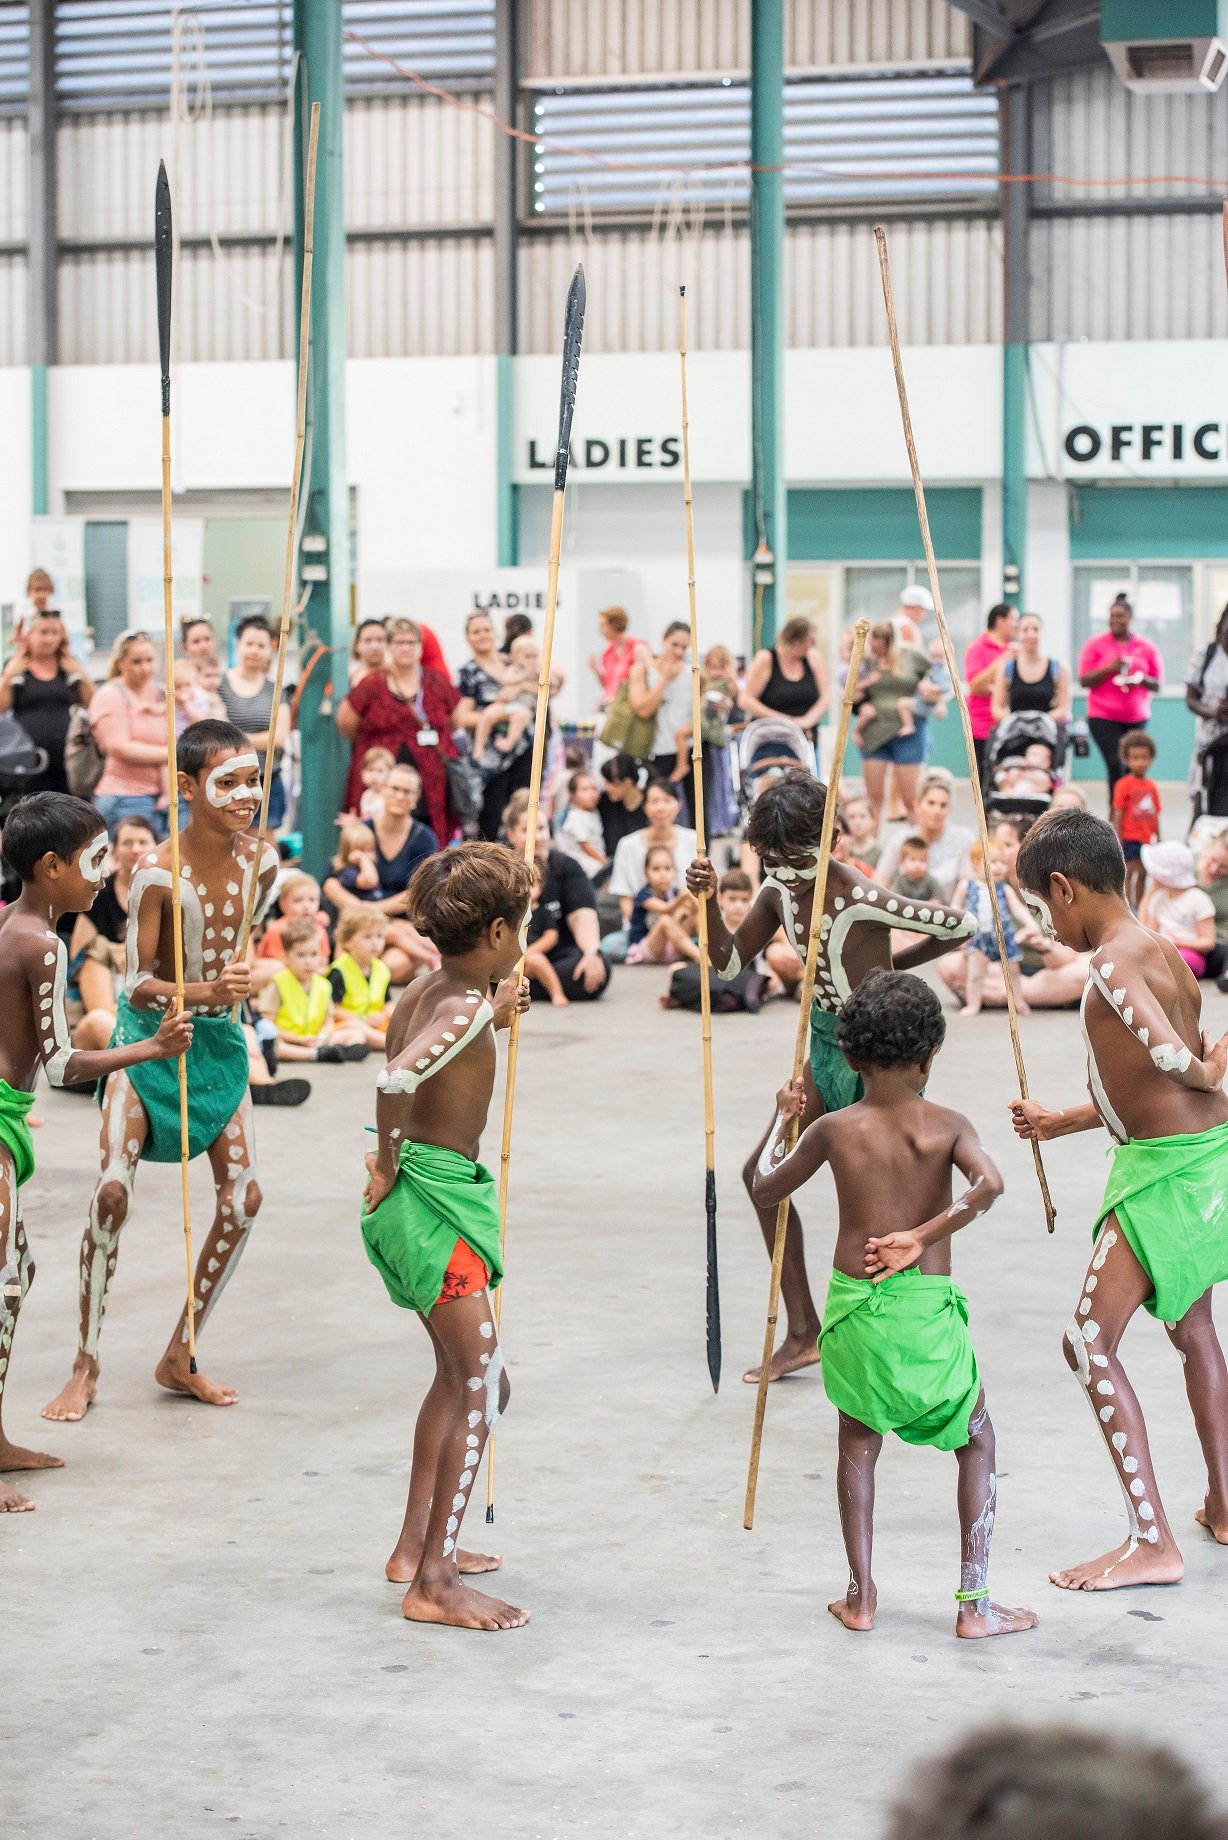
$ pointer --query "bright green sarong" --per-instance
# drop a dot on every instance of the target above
(15, 1132)
(834, 1079)
(217, 1080)
(1170, 1196)
(438, 1197)
(898, 1356)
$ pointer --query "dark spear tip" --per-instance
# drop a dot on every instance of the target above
(162, 269)
(490, 1514)
(573, 332)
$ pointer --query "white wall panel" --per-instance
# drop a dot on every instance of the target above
(946, 275)
(418, 162)
(14, 311)
(227, 172)
(820, 33)
(1087, 125)
(618, 38)
(420, 299)
(1134, 277)
(14, 180)
(633, 279)
(235, 307)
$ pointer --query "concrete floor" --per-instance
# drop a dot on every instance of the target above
(197, 1634)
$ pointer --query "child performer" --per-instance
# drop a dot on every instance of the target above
(431, 1222)
(57, 847)
(896, 1351)
(358, 977)
(784, 827)
(1161, 1240)
(299, 1004)
(219, 778)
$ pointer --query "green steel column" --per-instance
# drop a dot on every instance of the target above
(506, 223)
(326, 495)
(767, 241)
(44, 317)
(1015, 153)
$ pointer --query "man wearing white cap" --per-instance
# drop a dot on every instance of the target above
(981, 661)
(1175, 906)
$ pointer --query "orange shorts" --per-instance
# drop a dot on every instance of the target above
(466, 1274)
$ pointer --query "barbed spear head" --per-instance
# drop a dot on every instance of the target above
(573, 332)
(162, 268)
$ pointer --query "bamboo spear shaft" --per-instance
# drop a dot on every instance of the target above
(162, 274)
(296, 479)
(802, 1043)
(573, 331)
(880, 237)
(713, 1294)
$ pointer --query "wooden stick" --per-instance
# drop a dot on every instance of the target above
(802, 1043)
(713, 1293)
(296, 478)
(573, 329)
(880, 237)
(162, 275)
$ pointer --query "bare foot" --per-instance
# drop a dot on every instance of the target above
(856, 1609)
(460, 1606)
(12, 1456)
(73, 1401)
(1130, 1564)
(402, 1566)
(13, 1503)
(990, 1619)
(560, 1002)
(794, 1353)
(1214, 1519)
(970, 1009)
(1022, 1008)
(172, 1373)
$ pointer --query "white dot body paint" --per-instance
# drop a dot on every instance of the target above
(236, 795)
(399, 1078)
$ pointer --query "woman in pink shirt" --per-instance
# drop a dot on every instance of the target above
(615, 662)
(128, 717)
(1119, 673)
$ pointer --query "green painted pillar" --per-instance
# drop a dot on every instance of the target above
(506, 223)
(767, 247)
(326, 493)
(40, 495)
(1015, 159)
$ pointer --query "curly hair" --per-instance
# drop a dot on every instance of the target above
(892, 1020)
(1069, 842)
(456, 894)
(786, 820)
(1047, 1782)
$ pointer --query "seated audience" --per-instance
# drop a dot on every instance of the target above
(542, 939)
(99, 935)
(298, 1001)
(579, 834)
(359, 976)
(621, 805)
(734, 894)
(356, 881)
(1213, 880)
(663, 914)
(912, 878)
(569, 905)
(627, 875)
(1175, 907)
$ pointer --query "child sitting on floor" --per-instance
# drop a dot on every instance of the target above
(299, 1000)
(663, 916)
(358, 977)
(913, 879)
(298, 898)
(1175, 907)
(580, 834)
(751, 986)
(858, 822)
(896, 1353)
(541, 940)
(982, 949)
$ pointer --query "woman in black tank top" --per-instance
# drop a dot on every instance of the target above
(42, 685)
(1032, 681)
(788, 679)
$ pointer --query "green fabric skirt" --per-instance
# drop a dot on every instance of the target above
(217, 1080)
(1170, 1196)
(835, 1080)
(898, 1356)
(438, 1197)
(15, 1134)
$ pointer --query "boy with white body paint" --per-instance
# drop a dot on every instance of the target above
(896, 1351)
(58, 847)
(1161, 1237)
(219, 777)
(859, 919)
(431, 1221)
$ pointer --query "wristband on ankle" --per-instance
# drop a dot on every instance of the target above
(972, 1597)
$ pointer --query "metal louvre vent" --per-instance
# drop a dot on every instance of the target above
(926, 134)
(14, 53)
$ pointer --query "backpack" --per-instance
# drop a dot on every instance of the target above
(84, 760)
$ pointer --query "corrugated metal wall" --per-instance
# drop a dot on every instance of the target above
(819, 33)
(633, 281)
(14, 310)
(1089, 125)
(14, 181)
(431, 298)
(235, 307)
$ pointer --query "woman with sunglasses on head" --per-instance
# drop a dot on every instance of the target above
(41, 685)
(128, 717)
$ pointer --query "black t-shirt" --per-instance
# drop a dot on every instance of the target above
(617, 822)
(43, 707)
(107, 916)
(565, 891)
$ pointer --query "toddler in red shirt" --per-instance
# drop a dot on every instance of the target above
(1136, 808)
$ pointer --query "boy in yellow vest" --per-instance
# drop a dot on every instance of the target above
(359, 977)
(299, 1003)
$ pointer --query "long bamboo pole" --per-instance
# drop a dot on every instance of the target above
(880, 237)
(713, 1292)
(802, 1044)
(573, 329)
(162, 274)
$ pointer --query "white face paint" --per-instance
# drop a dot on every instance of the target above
(1040, 911)
(236, 795)
(92, 860)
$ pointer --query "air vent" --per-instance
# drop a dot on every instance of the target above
(1162, 63)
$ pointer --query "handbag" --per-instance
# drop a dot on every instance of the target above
(626, 732)
(84, 760)
(465, 793)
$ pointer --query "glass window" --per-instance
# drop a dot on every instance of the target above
(873, 592)
(1163, 598)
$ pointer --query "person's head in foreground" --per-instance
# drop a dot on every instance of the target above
(786, 821)
(1050, 1783)
(471, 902)
(57, 846)
(219, 776)
(1069, 869)
(893, 1021)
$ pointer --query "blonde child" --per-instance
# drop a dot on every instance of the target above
(857, 820)
(299, 1001)
(355, 878)
(580, 834)
(514, 707)
(354, 865)
(976, 896)
(662, 915)
(359, 977)
(194, 701)
(542, 939)
(298, 898)
(377, 764)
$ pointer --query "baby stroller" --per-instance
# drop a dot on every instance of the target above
(20, 763)
(766, 748)
(1005, 760)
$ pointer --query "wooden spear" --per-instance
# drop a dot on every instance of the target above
(880, 237)
(573, 332)
(713, 1296)
(162, 273)
(802, 1043)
